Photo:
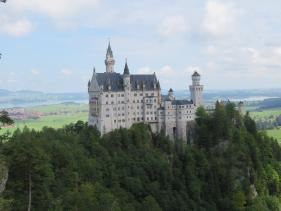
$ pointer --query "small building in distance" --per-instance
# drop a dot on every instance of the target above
(278, 119)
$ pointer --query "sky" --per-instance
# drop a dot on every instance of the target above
(53, 45)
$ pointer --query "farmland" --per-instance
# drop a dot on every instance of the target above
(55, 116)
(268, 116)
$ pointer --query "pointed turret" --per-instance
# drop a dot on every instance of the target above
(109, 60)
(93, 84)
(126, 76)
(109, 52)
(126, 69)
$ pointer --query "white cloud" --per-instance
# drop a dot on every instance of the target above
(145, 70)
(15, 28)
(57, 9)
(220, 18)
(35, 72)
(167, 71)
(66, 72)
(170, 77)
(173, 25)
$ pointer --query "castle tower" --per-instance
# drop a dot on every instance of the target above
(127, 90)
(109, 60)
(241, 108)
(171, 94)
(196, 90)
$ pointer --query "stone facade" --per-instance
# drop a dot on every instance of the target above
(121, 100)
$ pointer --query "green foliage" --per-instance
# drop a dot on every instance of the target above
(230, 166)
(5, 120)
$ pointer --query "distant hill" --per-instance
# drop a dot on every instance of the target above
(271, 103)
(235, 95)
(25, 98)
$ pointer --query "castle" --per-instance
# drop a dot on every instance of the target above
(121, 100)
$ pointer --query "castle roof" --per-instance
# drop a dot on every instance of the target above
(115, 81)
(196, 74)
(182, 102)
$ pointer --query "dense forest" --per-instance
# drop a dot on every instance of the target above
(228, 166)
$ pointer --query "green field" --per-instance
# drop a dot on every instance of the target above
(58, 115)
(276, 133)
(266, 113)
(55, 116)
(269, 114)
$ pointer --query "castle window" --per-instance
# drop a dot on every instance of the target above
(122, 95)
(140, 94)
(138, 119)
(138, 101)
(152, 94)
(155, 118)
(142, 101)
(147, 118)
(135, 94)
(114, 120)
(106, 95)
(107, 109)
(142, 118)
(112, 102)
(122, 102)
(107, 115)
(106, 102)
(112, 95)
(146, 94)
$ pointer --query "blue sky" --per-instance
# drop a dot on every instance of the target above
(53, 45)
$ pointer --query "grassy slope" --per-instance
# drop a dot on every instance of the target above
(269, 114)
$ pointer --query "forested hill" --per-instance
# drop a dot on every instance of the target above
(230, 166)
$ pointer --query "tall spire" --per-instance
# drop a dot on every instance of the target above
(109, 60)
(126, 69)
(109, 52)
